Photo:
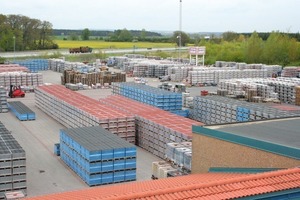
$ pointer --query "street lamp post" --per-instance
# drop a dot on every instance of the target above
(14, 47)
(180, 27)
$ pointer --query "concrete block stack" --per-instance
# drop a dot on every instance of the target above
(20, 79)
(3, 100)
(12, 164)
(219, 110)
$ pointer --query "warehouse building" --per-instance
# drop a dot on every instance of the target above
(263, 144)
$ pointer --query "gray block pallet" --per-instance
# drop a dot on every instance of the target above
(12, 164)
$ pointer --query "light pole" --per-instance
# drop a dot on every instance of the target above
(14, 37)
(180, 27)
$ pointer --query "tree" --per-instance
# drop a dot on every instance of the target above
(143, 35)
(85, 34)
(254, 49)
(29, 34)
(125, 36)
(184, 38)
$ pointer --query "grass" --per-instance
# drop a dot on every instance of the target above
(98, 44)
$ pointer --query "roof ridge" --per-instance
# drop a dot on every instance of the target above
(227, 182)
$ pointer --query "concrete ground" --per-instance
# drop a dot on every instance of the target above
(46, 173)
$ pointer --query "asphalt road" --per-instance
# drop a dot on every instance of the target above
(19, 54)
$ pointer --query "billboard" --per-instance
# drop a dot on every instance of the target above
(197, 50)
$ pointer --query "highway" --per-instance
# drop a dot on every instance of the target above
(19, 54)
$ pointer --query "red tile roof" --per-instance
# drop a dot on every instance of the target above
(196, 186)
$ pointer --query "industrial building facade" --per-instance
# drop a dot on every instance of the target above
(268, 144)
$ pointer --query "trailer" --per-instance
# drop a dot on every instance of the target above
(82, 49)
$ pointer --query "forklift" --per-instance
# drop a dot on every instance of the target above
(16, 92)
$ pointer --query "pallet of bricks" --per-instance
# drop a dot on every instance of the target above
(12, 68)
(155, 127)
(279, 88)
(70, 76)
(219, 110)
(159, 98)
(3, 100)
(12, 164)
(21, 111)
(21, 78)
(98, 156)
(75, 110)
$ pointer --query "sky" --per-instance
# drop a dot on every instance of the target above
(162, 15)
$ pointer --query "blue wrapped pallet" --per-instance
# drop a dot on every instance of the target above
(159, 98)
(21, 111)
(34, 65)
(98, 156)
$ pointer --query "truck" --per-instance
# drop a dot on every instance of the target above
(82, 49)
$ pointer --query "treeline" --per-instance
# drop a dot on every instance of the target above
(125, 35)
(230, 35)
(279, 48)
(106, 34)
(23, 33)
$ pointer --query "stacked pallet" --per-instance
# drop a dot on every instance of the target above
(155, 127)
(75, 110)
(98, 156)
(34, 65)
(151, 68)
(12, 164)
(187, 100)
(280, 88)
(290, 71)
(12, 68)
(90, 79)
(20, 78)
(159, 98)
(297, 100)
(218, 110)
(180, 154)
(213, 76)
(160, 169)
(179, 73)
(21, 111)
(117, 61)
(3, 100)
(271, 69)
(60, 65)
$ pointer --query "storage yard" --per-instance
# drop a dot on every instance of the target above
(86, 125)
(45, 172)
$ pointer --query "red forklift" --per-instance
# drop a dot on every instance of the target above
(16, 92)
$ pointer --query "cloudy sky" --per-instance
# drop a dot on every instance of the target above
(162, 15)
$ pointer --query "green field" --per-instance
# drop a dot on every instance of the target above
(98, 44)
